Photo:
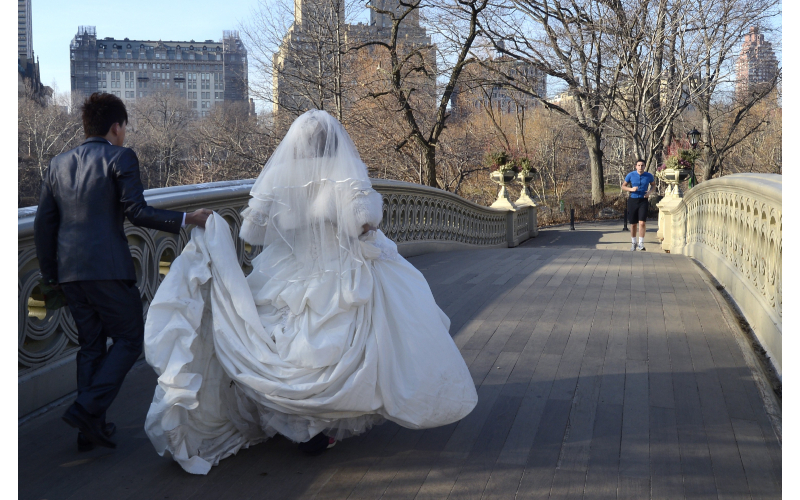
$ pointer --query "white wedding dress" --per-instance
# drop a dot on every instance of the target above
(333, 331)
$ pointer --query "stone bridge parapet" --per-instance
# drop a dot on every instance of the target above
(419, 219)
(733, 226)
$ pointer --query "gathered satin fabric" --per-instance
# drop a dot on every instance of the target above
(292, 351)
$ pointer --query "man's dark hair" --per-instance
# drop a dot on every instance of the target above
(640, 160)
(100, 112)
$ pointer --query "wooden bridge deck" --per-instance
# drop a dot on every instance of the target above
(600, 374)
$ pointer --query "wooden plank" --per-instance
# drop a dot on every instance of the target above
(575, 450)
(603, 467)
(720, 342)
(756, 460)
(634, 461)
(385, 466)
(543, 458)
(340, 471)
(510, 464)
(414, 470)
(443, 475)
(574, 459)
(696, 466)
(68, 469)
(601, 326)
(570, 368)
(658, 356)
(736, 344)
(726, 462)
(563, 329)
(475, 473)
(665, 456)
(613, 384)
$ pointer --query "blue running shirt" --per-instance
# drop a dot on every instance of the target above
(640, 182)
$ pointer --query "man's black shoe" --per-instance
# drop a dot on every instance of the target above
(317, 444)
(88, 425)
(85, 445)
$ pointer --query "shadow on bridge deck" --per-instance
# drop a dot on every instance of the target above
(600, 374)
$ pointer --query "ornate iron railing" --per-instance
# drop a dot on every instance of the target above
(734, 226)
(419, 219)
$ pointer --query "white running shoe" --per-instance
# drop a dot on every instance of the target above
(640, 247)
(633, 247)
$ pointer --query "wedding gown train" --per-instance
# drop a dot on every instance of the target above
(234, 369)
(332, 331)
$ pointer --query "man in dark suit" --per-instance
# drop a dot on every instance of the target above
(81, 245)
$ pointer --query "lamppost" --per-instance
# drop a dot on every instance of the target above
(694, 138)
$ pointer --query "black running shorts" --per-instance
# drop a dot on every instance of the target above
(637, 210)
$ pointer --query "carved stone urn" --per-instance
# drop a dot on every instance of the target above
(502, 178)
(525, 177)
(672, 195)
(673, 177)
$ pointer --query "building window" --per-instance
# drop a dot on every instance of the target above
(194, 104)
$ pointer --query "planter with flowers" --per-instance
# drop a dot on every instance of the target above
(678, 168)
(503, 174)
(525, 176)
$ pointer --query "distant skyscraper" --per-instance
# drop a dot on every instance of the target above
(24, 35)
(28, 80)
(756, 63)
(306, 55)
(206, 74)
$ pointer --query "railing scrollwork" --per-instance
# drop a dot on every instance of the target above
(733, 226)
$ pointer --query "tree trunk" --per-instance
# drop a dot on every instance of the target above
(592, 140)
(710, 160)
(430, 165)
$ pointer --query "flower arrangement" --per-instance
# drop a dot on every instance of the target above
(526, 166)
(679, 157)
(500, 161)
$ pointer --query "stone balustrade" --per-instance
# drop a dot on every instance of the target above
(733, 226)
(419, 219)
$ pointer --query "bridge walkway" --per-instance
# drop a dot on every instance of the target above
(601, 373)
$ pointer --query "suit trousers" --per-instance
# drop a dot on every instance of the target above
(104, 309)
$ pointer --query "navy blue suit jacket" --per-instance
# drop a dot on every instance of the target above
(79, 227)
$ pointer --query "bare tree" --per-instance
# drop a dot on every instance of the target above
(656, 48)
(159, 124)
(411, 71)
(300, 50)
(722, 25)
(567, 41)
(43, 131)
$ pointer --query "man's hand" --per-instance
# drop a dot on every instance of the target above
(198, 217)
(367, 228)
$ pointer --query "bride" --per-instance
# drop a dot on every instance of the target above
(331, 333)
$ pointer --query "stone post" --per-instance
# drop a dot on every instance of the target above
(503, 202)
